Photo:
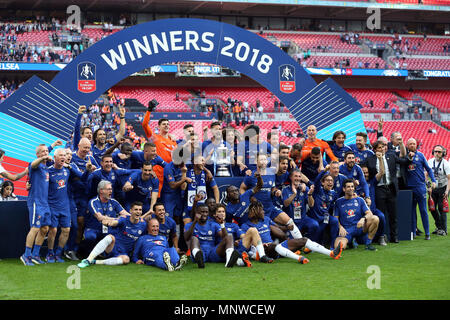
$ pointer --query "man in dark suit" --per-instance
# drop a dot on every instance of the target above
(395, 145)
(383, 166)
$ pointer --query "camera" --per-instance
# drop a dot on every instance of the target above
(152, 105)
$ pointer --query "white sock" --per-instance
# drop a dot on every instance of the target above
(228, 253)
(296, 234)
(194, 251)
(178, 231)
(260, 249)
(240, 262)
(252, 252)
(99, 248)
(111, 261)
(315, 247)
(282, 251)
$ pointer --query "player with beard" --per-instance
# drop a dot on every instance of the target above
(360, 149)
(201, 234)
(265, 227)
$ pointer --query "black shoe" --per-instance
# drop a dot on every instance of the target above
(435, 231)
(234, 257)
(394, 240)
(427, 237)
(418, 232)
(71, 255)
(265, 259)
(370, 247)
(199, 259)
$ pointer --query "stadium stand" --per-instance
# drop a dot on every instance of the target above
(439, 98)
(165, 96)
(424, 63)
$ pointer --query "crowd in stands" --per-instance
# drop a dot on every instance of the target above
(14, 48)
(7, 88)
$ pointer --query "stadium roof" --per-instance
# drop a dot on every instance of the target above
(266, 8)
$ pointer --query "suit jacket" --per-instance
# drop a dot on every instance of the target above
(392, 161)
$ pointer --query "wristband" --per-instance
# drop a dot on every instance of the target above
(122, 117)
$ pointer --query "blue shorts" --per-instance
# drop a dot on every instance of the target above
(210, 255)
(91, 234)
(118, 250)
(272, 212)
(60, 218)
(173, 205)
(357, 233)
(39, 215)
(240, 247)
(82, 206)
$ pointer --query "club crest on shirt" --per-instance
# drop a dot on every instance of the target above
(350, 213)
(61, 183)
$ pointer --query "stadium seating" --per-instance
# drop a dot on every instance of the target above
(330, 61)
(35, 37)
(424, 63)
(97, 33)
(439, 98)
(244, 94)
(379, 97)
(446, 124)
(312, 40)
(165, 97)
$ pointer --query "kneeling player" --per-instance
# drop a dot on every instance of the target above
(287, 248)
(153, 250)
(200, 235)
(119, 243)
(355, 218)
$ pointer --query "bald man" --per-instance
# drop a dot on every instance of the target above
(39, 211)
(312, 141)
(415, 178)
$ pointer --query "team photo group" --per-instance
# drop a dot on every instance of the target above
(102, 198)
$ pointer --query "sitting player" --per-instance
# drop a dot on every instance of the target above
(153, 250)
(200, 235)
(119, 243)
(243, 241)
(265, 226)
(355, 218)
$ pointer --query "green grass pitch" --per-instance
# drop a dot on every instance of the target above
(415, 269)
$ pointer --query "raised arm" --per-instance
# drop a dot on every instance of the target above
(121, 132)
(146, 126)
(14, 177)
